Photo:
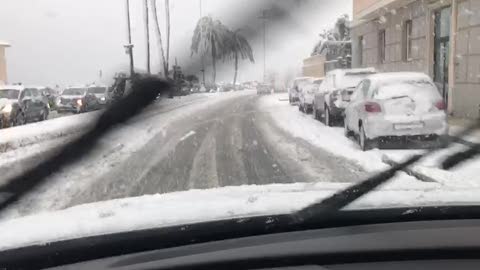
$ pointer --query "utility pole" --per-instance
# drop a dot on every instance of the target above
(129, 46)
(264, 18)
(147, 29)
(203, 57)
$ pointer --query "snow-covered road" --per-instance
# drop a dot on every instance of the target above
(207, 141)
(217, 140)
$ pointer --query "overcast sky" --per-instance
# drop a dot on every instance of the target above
(69, 41)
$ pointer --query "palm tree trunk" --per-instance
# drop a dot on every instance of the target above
(159, 35)
(147, 29)
(214, 58)
(236, 71)
(167, 20)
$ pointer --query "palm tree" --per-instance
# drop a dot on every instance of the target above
(209, 36)
(237, 46)
(159, 37)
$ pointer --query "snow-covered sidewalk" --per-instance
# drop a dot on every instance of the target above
(333, 140)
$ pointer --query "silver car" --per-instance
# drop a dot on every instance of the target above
(396, 105)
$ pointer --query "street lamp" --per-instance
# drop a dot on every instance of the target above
(264, 17)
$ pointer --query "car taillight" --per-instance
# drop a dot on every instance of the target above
(440, 105)
(372, 107)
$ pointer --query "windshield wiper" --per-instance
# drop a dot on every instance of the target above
(330, 205)
(145, 91)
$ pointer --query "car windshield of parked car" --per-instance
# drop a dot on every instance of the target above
(168, 112)
(9, 93)
(350, 80)
(74, 92)
(97, 90)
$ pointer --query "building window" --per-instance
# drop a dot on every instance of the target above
(360, 50)
(381, 46)
(407, 41)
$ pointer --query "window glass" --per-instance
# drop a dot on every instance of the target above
(381, 46)
(407, 40)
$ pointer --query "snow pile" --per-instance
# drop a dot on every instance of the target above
(16, 137)
(331, 139)
(151, 211)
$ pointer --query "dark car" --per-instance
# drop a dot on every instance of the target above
(264, 89)
(49, 94)
(20, 105)
(77, 100)
(100, 93)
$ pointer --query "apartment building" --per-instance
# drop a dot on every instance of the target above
(3, 62)
(438, 37)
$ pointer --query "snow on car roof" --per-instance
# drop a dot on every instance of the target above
(14, 87)
(393, 76)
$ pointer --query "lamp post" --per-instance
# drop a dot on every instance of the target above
(129, 46)
(264, 17)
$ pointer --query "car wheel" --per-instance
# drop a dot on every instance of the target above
(300, 107)
(346, 131)
(44, 115)
(328, 120)
(365, 143)
(19, 119)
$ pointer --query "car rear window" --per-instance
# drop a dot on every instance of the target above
(97, 90)
(74, 91)
(410, 88)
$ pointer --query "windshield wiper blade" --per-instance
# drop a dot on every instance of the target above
(145, 91)
(330, 205)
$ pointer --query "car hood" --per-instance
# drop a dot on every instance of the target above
(193, 206)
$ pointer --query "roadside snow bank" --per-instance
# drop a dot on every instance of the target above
(331, 139)
(16, 137)
(152, 211)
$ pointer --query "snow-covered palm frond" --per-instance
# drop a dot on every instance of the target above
(208, 34)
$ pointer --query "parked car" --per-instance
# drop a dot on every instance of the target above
(334, 93)
(20, 105)
(264, 89)
(307, 94)
(76, 100)
(393, 105)
(100, 93)
(294, 91)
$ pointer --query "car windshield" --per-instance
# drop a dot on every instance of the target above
(73, 92)
(97, 90)
(168, 112)
(9, 93)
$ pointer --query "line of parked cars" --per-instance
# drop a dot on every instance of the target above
(21, 104)
(373, 107)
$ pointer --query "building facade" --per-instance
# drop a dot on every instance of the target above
(438, 37)
(314, 66)
(3, 62)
